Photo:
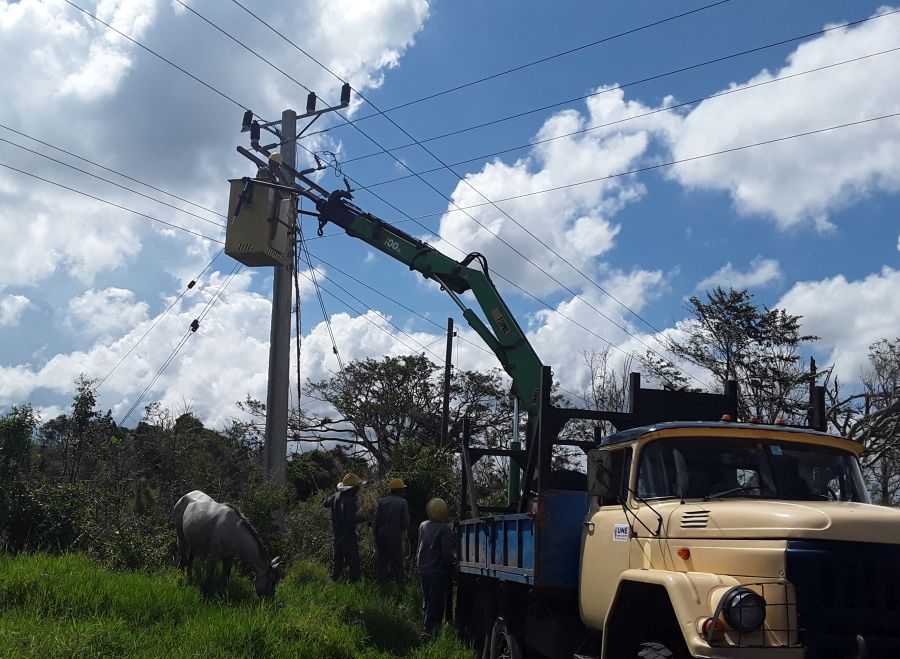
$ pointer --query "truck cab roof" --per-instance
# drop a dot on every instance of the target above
(727, 426)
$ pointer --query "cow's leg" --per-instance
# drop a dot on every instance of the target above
(189, 564)
(226, 571)
(211, 561)
(182, 548)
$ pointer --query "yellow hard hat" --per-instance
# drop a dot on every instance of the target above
(349, 481)
(437, 510)
(276, 158)
(396, 484)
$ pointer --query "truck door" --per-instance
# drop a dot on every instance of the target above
(606, 536)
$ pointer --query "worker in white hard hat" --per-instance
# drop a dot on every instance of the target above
(391, 524)
(344, 518)
(435, 558)
(272, 168)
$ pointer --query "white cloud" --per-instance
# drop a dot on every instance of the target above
(561, 343)
(848, 315)
(761, 273)
(575, 223)
(105, 313)
(807, 179)
(83, 88)
(71, 71)
(11, 309)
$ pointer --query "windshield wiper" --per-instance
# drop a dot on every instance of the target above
(734, 490)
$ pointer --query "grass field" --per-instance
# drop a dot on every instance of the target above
(71, 607)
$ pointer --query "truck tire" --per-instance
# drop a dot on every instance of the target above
(655, 651)
(504, 644)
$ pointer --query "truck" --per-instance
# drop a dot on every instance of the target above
(689, 533)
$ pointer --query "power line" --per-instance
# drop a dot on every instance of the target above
(118, 185)
(619, 174)
(109, 169)
(209, 86)
(187, 335)
(670, 163)
(607, 90)
(459, 335)
(110, 203)
(325, 316)
(391, 299)
(642, 115)
(471, 217)
(630, 172)
(493, 75)
(242, 44)
(155, 54)
(158, 319)
(363, 315)
(557, 254)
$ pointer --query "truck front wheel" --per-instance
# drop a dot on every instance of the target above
(655, 651)
(504, 644)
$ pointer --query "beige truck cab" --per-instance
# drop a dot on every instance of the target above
(707, 539)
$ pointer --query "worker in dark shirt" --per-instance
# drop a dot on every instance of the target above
(435, 558)
(344, 518)
(391, 524)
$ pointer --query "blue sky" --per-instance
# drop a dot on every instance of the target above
(808, 224)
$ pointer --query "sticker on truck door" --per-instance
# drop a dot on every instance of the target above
(620, 533)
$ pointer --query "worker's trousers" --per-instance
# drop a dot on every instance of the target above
(435, 596)
(389, 555)
(345, 552)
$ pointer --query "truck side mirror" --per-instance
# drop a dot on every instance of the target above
(600, 476)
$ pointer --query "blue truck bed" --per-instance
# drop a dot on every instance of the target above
(541, 549)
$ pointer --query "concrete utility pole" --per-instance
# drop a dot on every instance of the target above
(445, 415)
(275, 447)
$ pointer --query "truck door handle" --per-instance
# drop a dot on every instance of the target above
(589, 526)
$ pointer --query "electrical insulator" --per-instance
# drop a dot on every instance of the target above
(195, 325)
(254, 134)
(345, 94)
(248, 118)
(311, 102)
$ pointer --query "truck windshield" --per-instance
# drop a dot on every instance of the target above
(710, 468)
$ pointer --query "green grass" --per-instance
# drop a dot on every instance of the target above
(69, 606)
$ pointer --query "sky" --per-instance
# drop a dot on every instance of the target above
(611, 160)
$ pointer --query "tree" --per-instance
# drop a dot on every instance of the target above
(394, 400)
(871, 416)
(734, 339)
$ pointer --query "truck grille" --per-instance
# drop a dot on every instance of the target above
(845, 589)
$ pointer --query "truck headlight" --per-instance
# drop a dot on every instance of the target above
(744, 610)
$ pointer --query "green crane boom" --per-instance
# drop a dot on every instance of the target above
(504, 336)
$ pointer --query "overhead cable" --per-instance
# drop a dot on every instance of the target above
(630, 172)
(184, 339)
(155, 54)
(613, 88)
(118, 185)
(362, 314)
(493, 75)
(459, 336)
(109, 169)
(190, 285)
(625, 120)
(110, 203)
(482, 225)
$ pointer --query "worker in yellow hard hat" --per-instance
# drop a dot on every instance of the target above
(344, 518)
(435, 558)
(391, 524)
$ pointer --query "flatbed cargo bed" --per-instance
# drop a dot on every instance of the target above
(540, 549)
